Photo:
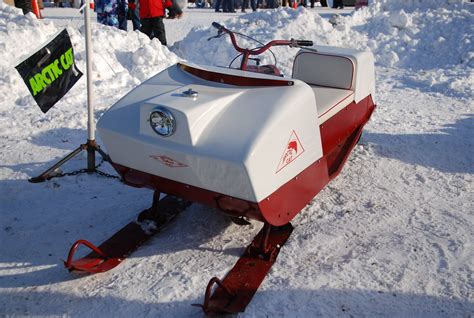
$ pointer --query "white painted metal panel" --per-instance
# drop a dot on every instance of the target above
(231, 139)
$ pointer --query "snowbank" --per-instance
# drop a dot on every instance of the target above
(264, 26)
(432, 40)
(121, 59)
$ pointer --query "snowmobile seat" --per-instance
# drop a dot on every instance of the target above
(324, 69)
(330, 101)
(331, 78)
(338, 76)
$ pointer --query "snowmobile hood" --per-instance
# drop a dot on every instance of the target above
(235, 124)
(215, 90)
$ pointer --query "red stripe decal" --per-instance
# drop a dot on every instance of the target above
(335, 105)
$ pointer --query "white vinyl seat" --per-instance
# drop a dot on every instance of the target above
(330, 100)
(330, 76)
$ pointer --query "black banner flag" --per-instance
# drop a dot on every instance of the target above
(51, 72)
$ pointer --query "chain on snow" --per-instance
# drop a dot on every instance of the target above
(84, 170)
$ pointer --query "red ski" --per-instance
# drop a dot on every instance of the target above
(234, 293)
(118, 247)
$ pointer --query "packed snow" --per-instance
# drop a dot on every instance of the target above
(391, 236)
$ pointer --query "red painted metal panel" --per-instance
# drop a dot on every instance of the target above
(336, 129)
(339, 135)
(229, 205)
(278, 209)
(234, 293)
(286, 202)
(233, 79)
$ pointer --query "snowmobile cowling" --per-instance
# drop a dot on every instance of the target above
(253, 145)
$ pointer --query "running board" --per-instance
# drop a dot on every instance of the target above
(234, 293)
(124, 242)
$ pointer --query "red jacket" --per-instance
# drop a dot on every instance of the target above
(153, 8)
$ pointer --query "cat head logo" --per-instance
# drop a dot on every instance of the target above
(293, 150)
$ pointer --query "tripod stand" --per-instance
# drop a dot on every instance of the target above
(91, 146)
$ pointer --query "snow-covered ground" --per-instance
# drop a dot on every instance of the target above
(392, 235)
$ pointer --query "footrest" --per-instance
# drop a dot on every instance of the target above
(119, 246)
(234, 293)
(90, 264)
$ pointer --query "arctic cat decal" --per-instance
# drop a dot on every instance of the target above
(50, 72)
(292, 151)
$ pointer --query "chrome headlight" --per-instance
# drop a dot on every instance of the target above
(162, 121)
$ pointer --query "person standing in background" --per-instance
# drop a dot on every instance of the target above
(174, 11)
(133, 14)
(252, 4)
(217, 7)
(228, 6)
(122, 11)
(151, 17)
(24, 5)
(108, 11)
(338, 4)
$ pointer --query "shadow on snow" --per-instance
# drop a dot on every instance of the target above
(285, 303)
(449, 150)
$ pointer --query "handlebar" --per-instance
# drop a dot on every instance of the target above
(247, 52)
(217, 26)
(304, 43)
(291, 43)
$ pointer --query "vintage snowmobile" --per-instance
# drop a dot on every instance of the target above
(248, 141)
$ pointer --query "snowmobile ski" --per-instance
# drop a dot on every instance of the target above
(124, 242)
(234, 293)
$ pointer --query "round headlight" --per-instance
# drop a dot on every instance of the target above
(162, 121)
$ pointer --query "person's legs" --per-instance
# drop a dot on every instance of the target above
(159, 29)
(218, 6)
(225, 5)
(147, 27)
(122, 19)
(338, 4)
(245, 5)
(24, 5)
(135, 19)
(253, 5)
(230, 6)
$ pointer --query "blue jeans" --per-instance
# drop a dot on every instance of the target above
(135, 19)
(122, 20)
(252, 4)
(228, 5)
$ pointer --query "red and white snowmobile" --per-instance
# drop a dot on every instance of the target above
(248, 141)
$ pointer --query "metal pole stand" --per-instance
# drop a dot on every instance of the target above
(91, 147)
